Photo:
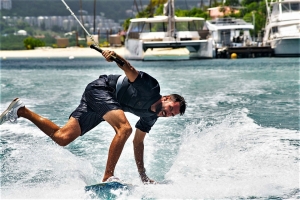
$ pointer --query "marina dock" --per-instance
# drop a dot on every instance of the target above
(245, 52)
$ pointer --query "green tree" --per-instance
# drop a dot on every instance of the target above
(21, 24)
(31, 43)
(256, 9)
(56, 28)
(12, 42)
(29, 30)
(232, 3)
(126, 24)
(195, 12)
(249, 10)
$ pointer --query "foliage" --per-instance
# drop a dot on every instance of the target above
(12, 42)
(232, 3)
(159, 10)
(256, 9)
(11, 28)
(48, 40)
(248, 10)
(151, 7)
(195, 12)
(112, 9)
(31, 43)
(126, 24)
(5, 28)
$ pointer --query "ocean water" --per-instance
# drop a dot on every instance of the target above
(239, 138)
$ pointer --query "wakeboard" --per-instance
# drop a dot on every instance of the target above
(106, 189)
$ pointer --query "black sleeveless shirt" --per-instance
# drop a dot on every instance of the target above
(138, 96)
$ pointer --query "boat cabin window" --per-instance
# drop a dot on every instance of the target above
(158, 27)
(275, 9)
(295, 6)
(136, 27)
(146, 27)
(275, 29)
(285, 7)
(189, 26)
(182, 26)
(290, 7)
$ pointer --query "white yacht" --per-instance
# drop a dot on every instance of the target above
(282, 31)
(230, 32)
(169, 33)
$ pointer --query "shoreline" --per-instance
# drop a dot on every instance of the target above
(86, 52)
(69, 52)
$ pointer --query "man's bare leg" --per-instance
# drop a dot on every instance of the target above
(62, 136)
(118, 120)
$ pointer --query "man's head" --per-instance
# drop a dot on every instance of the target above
(171, 105)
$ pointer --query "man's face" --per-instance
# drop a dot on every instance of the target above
(168, 108)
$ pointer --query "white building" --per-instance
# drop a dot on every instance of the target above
(5, 4)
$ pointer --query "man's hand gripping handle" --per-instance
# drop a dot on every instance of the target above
(114, 58)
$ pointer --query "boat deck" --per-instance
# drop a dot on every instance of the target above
(245, 52)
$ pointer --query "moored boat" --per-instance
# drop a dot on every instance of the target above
(282, 31)
(168, 32)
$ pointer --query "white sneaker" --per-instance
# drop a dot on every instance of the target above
(10, 114)
(113, 179)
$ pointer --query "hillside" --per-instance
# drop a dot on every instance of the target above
(112, 9)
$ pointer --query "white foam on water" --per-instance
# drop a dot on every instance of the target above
(222, 154)
(36, 168)
(233, 159)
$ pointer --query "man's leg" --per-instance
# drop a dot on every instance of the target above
(118, 120)
(62, 136)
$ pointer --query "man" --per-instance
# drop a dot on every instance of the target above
(106, 99)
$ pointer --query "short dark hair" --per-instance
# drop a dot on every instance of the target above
(180, 99)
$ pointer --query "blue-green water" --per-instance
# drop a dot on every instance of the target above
(238, 139)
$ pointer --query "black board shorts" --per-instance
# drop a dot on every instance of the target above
(97, 99)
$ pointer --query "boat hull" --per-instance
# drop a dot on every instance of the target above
(136, 49)
(286, 46)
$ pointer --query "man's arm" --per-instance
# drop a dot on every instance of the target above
(129, 70)
(138, 145)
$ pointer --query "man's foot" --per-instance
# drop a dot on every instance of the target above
(113, 179)
(10, 114)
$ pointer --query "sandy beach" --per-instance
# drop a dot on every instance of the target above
(70, 52)
(86, 52)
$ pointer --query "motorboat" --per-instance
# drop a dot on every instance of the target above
(282, 30)
(230, 32)
(167, 34)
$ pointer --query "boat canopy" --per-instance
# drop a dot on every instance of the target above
(160, 24)
(165, 19)
(286, 6)
(228, 23)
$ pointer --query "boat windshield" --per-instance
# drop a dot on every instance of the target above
(275, 9)
(189, 26)
(154, 27)
(146, 27)
(290, 6)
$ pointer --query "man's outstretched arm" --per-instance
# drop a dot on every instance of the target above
(138, 145)
(129, 70)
